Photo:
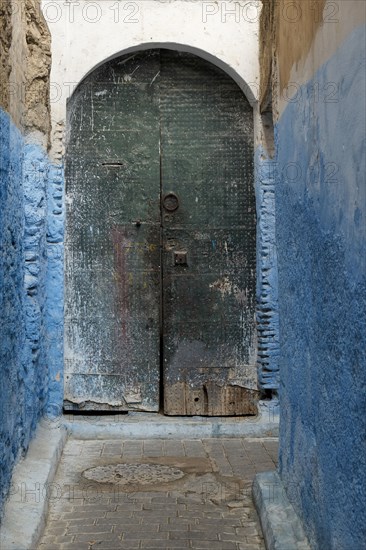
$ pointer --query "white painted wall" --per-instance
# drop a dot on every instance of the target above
(86, 33)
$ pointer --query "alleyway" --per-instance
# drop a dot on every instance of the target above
(182, 263)
(190, 494)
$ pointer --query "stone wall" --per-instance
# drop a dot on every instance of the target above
(317, 69)
(25, 64)
(5, 43)
(37, 74)
(25, 235)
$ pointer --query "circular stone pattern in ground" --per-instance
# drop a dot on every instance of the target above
(136, 474)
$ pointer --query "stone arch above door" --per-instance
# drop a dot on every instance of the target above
(249, 88)
(79, 45)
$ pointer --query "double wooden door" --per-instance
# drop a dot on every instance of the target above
(160, 240)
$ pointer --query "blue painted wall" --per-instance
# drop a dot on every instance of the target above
(55, 292)
(320, 231)
(12, 299)
(30, 189)
(267, 276)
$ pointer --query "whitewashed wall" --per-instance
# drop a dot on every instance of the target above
(87, 33)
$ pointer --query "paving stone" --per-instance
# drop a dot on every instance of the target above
(213, 545)
(163, 499)
(90, 537)
(77, 522)
(194, 448)
(190, 515)
(224, 524)
(136, 543)
(227, 531)
(122, 513)
(248, 530)
(108, 545)
(149, 528)
(127, 535)
(254, 539)
(208, 534)
(127, 545)
(166, 544)
(92, 515)
(97, 529)
(156, 506)
(122, 523)
(80, 545)
(166, 527)
(99, 507)
(174, 448)
(153, 448)
(213, 515)
(149, 516)
(59, 539)
(58, 530)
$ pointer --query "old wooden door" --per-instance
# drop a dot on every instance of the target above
(160, 247)
(112, 271)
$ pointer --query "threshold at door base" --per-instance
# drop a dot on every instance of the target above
(139, 425)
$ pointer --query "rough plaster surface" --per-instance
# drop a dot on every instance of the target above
(296, 38)
(24, 176)
(291, 37)
(320, 231)
(25, 172)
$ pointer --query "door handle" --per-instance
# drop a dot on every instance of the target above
(171, 202)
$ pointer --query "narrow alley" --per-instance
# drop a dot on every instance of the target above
(182, 274)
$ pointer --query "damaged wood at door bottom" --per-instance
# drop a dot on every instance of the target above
(210, 400)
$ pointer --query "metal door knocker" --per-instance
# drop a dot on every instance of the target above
(170, 202)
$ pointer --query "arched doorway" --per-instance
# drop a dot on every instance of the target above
(160, 240)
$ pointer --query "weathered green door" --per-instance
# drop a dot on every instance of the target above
(160, 248)
(112, 272)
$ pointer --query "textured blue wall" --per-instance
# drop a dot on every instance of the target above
(55, 291)
(320, 231)
(267, 283)
(12, 299)
(30, 189)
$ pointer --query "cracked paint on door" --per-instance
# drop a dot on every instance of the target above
(209, 302)
(112, 318)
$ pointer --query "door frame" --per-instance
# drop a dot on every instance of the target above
(266, 270)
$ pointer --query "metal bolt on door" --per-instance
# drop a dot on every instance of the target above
(160, 242)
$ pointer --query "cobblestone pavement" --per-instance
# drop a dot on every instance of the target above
(209, 506)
